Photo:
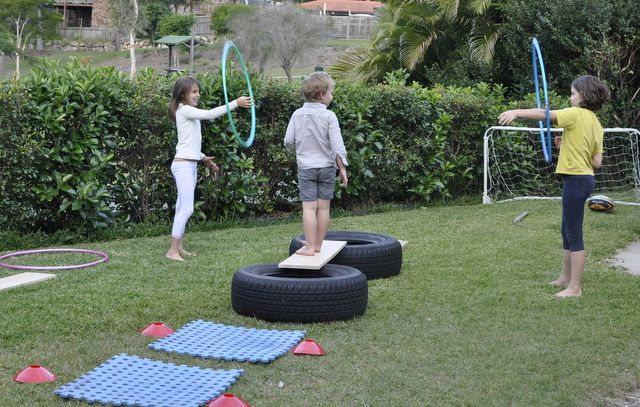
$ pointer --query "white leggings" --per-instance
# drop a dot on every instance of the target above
(185, 173)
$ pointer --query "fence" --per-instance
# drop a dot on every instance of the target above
(202, 26)
(73, 2)
(358, 27)
(88, 33)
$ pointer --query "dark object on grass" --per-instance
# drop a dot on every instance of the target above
(290, 295)
(600, 203)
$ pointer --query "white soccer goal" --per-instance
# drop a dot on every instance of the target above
(514, 166)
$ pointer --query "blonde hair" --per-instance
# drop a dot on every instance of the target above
(315, 85)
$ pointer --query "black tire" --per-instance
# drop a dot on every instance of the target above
(377, 256)
(290, 295)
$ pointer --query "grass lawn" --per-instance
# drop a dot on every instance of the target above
(469, 321)
(348, 43)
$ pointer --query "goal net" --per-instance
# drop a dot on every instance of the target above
(514, 166)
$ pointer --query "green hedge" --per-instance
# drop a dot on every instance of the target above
(86, 148)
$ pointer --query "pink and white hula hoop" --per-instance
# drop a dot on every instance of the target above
(103, 257)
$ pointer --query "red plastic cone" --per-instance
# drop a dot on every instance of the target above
(309, 347)
(228, 400)
(34, 374)
(156, 329)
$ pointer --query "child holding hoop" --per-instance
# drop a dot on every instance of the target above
(186, 116)
(314, 135)
(581, 148)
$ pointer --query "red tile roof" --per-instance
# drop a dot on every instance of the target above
(355, 6)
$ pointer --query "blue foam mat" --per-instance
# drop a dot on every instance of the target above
(127, 380)
(217, 341)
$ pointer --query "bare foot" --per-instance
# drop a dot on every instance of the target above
(186, 253)
(559, 283)
(174, 256)
(305, 251)
(304, 243)
(569, 293)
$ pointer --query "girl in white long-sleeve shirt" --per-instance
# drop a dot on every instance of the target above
(186, 116)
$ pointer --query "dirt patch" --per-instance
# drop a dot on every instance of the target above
(628, 259)
(630, 400)
(207, 59)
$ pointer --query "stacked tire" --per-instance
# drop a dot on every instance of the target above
(376, 255)
(267, 292)
(338, 291)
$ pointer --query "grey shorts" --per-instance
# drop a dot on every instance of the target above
(316, 183)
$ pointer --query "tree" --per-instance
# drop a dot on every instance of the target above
(132, 37)
(284, 32)
(152, 14)
(6, 48)
(597, 37)
(224, 13)
(418, 34)
(124, 14)
(23, 20)
(176, 24)
(177, 3)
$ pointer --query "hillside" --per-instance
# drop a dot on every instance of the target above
(205, 59)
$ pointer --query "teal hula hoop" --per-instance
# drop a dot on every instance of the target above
(545, 134)
(228, 45)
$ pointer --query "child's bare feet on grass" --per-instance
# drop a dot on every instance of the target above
(559, 283)
(174, 256)
(569, 293)
(306, 251)
(183, 252)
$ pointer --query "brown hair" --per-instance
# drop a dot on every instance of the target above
(315, 85)
(182, 86)
(593, 92)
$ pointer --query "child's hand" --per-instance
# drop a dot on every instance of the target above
(208, 161)
(558, 141)
(507, 117)
(344, 180)
(244, 101)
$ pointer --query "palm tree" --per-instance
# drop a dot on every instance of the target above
(416, 34)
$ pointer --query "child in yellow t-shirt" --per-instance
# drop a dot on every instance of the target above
(580, 152)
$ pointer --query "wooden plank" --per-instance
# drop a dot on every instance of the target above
(329, 250)
(403, 243)
(17, 280)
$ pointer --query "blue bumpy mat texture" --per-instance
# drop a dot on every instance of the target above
(231, 343)
(127, 380)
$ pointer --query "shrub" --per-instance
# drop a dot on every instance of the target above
(472, 111)
(223, 14)
(19, 156)
(85, 148)
(152, 14)
(575, 43)
(145, 146)
(176, 24)
(72, 118)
